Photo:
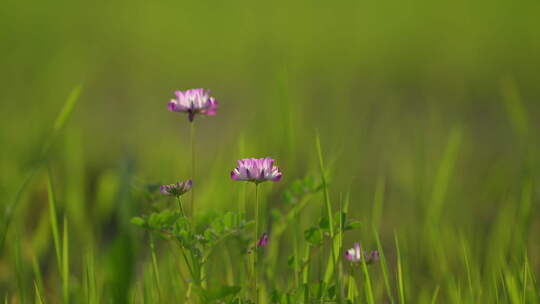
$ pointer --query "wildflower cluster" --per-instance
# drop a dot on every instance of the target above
(198, 240)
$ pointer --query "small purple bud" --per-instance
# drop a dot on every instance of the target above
(375, 256)
(263, 240)
(176, 189)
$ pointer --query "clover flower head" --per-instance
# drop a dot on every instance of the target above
(356, 254)
(192, 102)
(256, 170)
(176, 189)
(263, 240)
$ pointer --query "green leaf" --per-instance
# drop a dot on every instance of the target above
(313, 235)
(229, 220)
(163, 219)
(290, 261)
(139, 221)
(324, 223)
(353, 225)
(218, 226)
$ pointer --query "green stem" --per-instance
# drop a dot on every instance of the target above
(190, 269)
(188, 293)
(255, 251)
(305, 274)
(155, 266)
(180, 206)
(352, 285)
(192, 142)
(296, 257)
(328, 210)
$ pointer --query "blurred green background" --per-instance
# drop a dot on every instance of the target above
(396, 90)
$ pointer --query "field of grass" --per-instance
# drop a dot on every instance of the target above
(410, 128)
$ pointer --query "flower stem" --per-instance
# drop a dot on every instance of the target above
(180, 206)
(192, 142)
(351, 294)
(255, 251)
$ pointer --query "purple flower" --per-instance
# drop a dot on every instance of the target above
(256, 170)
(194, 101)
(176, 189)
(263, 240)
(355, 255)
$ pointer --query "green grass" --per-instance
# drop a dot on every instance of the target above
(447, 266)
(411, 128)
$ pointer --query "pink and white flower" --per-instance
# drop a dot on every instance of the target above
(194, 101)
(256, 170)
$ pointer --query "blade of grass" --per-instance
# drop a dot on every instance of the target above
(533, 282)
(401, 289)
(39, 297)
(331, 266)
(435, 295)
(54, 219)
(325, 187)
(305, 272)
(295, 249)
(467, 267)
(59, 124)
(19, 271)
(352, 290)
(524, 280)
(384, 267)
(343, 210)
(65, 262)
(512, 288)
(514, 106)
(367, 283)
(62, 118)
(378, 201)
(155, 267)
(443, 176)
(90, 275)
(38, 278)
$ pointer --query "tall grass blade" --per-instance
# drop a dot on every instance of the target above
(384, 267)
(39, 297)
(38, 278)
(378, 201)
(155, 267)
(514, 106)
(59, 124)
(401, 285)
(19, 271)
(468, 268)
(443, 175)
(512, 288)
(525, 280)
(90, 278)
(331, 265)
(367, 283)
(435, 295)
(54, 219)
(65, 262)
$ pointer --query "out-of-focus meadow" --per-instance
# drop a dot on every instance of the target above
(428, 115)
